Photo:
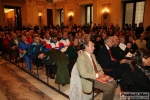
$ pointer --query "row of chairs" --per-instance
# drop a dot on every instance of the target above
(95, 90)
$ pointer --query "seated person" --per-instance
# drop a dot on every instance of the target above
(89, 68)
(29, 38)
(125, 48)
(134, 46)
(72, 52)
(6, 40)
(98, 43)
(117, 52)
(106, 60)
(65, 41)
(36, 52)
(55, 44)
(13, 44)
(139, 80)
(87, 37)
(23, 46)
(47, 39)
(141, 43)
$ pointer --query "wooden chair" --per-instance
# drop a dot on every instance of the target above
(94, 90)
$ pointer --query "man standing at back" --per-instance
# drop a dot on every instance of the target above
(89, 68)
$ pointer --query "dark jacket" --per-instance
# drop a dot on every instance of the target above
(118, 53)
(35, 50)
(62, 75)
(97, 46)
(136, 81)
(12, 43)
(104, 58)
(72, 52)
(141, 80)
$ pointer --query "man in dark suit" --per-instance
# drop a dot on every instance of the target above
(13, 44)
(88, 67)
(106, 60)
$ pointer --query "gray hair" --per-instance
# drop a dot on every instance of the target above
(107, 39)
(84, 44)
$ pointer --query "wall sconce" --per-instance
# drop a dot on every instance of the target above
(105, 13)
(40, 16)
(70, 16)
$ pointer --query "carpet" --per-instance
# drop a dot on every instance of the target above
(15, 87)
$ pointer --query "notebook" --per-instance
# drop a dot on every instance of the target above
(105, 79)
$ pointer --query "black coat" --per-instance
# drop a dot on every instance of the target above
(104, 58)
(97, 46)
(140, 80)
(118, 53)
(12, 43)
(136, 81)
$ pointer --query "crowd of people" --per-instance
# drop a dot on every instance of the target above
(113, 47)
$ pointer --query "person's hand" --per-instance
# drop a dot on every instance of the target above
(123, 61)
(41, 56)
(101, 74)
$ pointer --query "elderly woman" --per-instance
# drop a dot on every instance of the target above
(139, 79)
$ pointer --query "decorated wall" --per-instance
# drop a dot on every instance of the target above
(34, 12)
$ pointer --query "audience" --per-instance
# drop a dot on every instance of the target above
(33, 48)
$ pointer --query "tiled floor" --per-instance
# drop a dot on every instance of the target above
(45, 89)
